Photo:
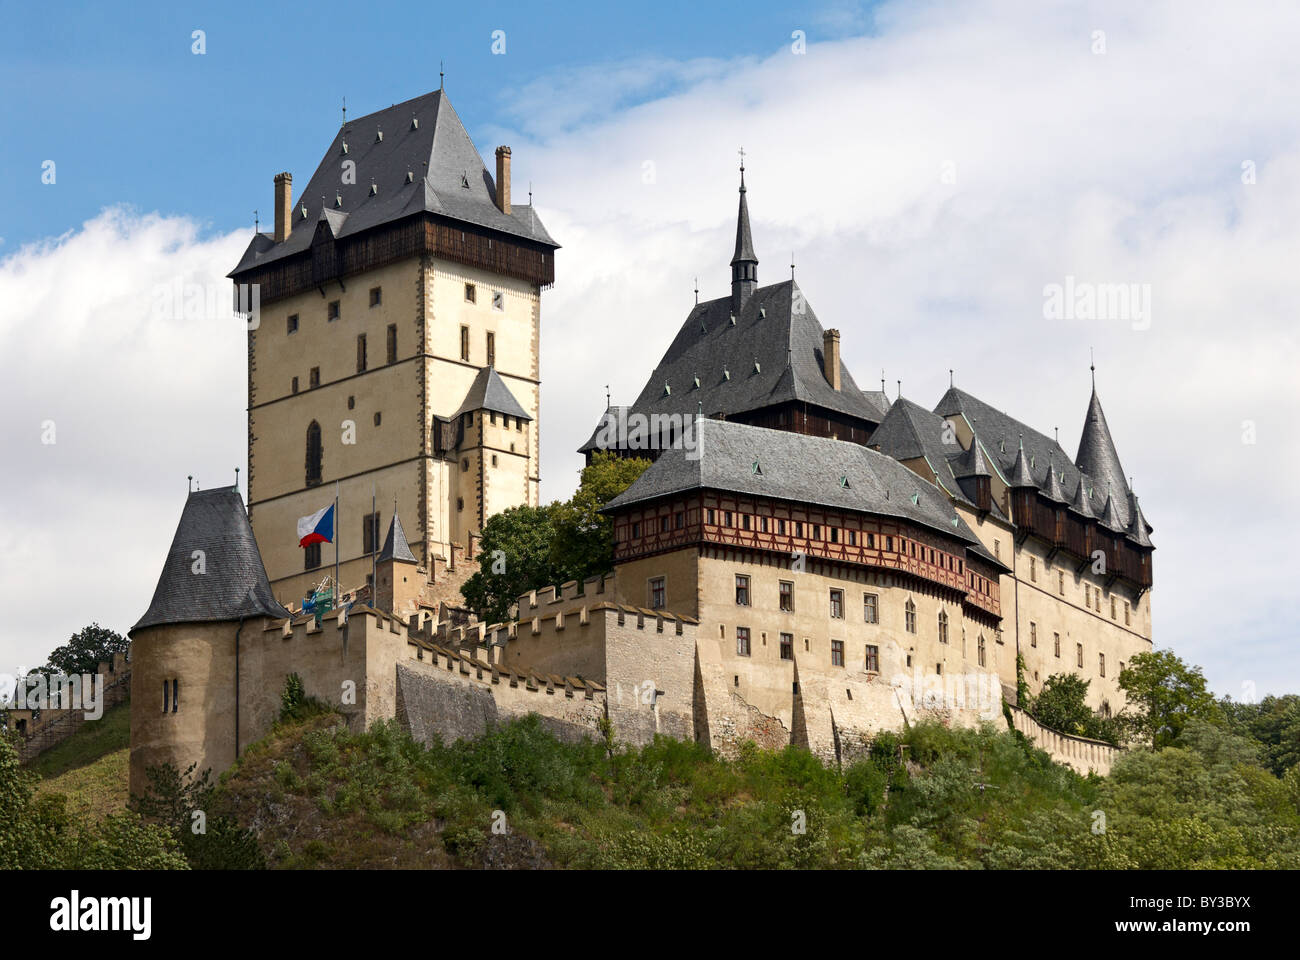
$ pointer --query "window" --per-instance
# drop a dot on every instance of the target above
(464, 343)
(361, 353)
(853, 538)
(709, 516)
(1087, 595)
(494, 456)
(370, 533)
(873, 658)
(498, 301)
(471, 293)
(871, 608)
(1126, 613)
(1079, 653)
(376, 296)
(742, 590)
(679, 520)
(742, 641)
(1033, 569)
(293, 323)
(313, 377)
(1060, 582)
(311, 556)
(636, 529)
(315, 454)
(332, 311)
(295, 384)
(663, 524)
(744, 522)
(963, 643)
(392, 343)
(909, 617)
(656, 593)
(1121, 666)
(980, 651)
(460, 504)
(491, 349)
(170, 696)
(780, 527)
(837, 653)
(837, 604)
(1112, 608)
(1101, 663)
(943, 626)
(1033, 634)
(997, 549)
(464, 465)
(787, 596)
(1097, 594)
(1056, 644)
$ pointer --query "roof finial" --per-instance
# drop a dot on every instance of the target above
(791, 264)
(441, 75)
(882, 380)
(697, 291)
(607, 396)
(950, 378)
(190, 486)
(345, 112)
(1092, 365)
(1057, 431)
(256, 222)
(236, 478)
(900, 389)
(742, 169)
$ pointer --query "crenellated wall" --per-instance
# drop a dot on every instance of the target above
(1079, 753)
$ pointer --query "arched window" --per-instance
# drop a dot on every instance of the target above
(981, 650)
(943, 626)
(315, 454)
(909, 616)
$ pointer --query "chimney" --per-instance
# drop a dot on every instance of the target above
(283, 197)
(831, 357)
(503, 179)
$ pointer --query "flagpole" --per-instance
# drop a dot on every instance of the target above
(338, 534)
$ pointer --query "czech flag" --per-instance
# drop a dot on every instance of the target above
(318, 528)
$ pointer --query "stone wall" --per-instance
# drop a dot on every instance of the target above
(1079, 753)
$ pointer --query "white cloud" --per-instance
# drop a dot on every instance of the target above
(1122, 167)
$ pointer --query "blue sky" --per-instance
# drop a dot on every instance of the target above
(934, 166)
(116, 97)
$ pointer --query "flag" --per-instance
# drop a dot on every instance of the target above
(318, 528)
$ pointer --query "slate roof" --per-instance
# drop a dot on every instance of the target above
(801, 469)
(395, 545)
(878, 399)
(1002, 434)
(233, 583)
(1097, 455)
(448, 178)
(909, 431)
(744, 241)
(489, 392)
(771, 354)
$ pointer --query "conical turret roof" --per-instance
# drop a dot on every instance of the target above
(395, 545)
(1097, 455)
(1020, 475)
(213, 570)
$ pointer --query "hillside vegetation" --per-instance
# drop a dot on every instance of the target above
(316, 795)
(90, 768)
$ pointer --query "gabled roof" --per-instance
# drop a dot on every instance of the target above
(231, 581)
(770, 354)
(395, 545)
(800, 469)
(878, 399)
(422, 137)
(489, 392)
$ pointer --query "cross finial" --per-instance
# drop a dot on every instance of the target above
(742, 159)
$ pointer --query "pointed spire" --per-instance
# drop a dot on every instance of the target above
(1137, 527)
(973, 463)
(1020, 475)
(1053, 487)
(1097, 455)
(744, 264)
(1082, 504)
(1110, 516)
(395, 545)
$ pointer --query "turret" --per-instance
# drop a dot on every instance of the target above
(744, 264)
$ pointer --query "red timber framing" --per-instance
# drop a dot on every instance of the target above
(707, 519)
(1065, 531)
(422, 234)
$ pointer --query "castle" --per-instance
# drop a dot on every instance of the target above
(803, 562)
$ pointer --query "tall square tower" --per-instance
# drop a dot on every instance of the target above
(394, 345)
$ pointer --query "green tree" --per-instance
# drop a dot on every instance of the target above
(584, 537)
(1164, 693)
(1062, 704)
(1274, 723)
(85, 650)
(515, 557)
(186, 806)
